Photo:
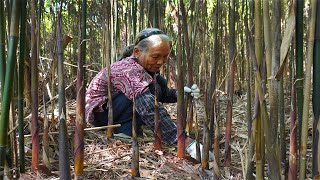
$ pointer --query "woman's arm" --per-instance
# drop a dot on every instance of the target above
(145, 108)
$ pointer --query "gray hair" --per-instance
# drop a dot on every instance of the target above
(145, 38)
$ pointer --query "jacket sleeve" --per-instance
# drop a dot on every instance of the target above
(166, 95)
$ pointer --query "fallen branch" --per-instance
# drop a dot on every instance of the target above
(72, 65)
(86, 129)
(53, 98)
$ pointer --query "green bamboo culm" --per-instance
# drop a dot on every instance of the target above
(2, 47)
(20, 84)
(307, 91)
(8, 85)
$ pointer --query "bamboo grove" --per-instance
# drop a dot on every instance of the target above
(266, 51)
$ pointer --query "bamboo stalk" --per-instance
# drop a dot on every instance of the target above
(45, 138)
(216, 136)
(2, 48)
(214, 119)
(189, 63)
(64, 164)
(307, 91)
(189, 125)
(134, 8)
(34, 87)
(250, 162)
(211, 92)
(231, 76)
(109, 58)
(157, 127)
(316, 100)
(135, 146)
(20, 84)
(206, 142)
(299, 64)
(80, 108)
(7, 92)
(12, 156)
(271, 137)
(292, 172)
(260, 101)
(267, 39)
(141, 24)
(180, 100)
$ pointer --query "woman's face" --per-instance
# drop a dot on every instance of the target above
(155, 57)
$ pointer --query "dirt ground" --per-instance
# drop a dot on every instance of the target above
(111, 159)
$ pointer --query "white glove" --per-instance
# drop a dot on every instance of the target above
(192, 150)
(194, 91)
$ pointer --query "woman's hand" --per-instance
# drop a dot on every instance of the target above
(194, 91)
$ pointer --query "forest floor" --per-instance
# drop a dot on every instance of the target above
(112, 159)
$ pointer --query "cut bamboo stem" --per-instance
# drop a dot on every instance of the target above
(135, 146)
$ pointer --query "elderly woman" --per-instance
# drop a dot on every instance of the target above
(132, 77)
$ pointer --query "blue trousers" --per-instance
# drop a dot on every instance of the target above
(122, 114)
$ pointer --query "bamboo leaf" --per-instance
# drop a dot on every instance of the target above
(286, 41)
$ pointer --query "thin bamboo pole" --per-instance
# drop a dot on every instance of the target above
(135, 146)
(299, 64)
(109, 58)
(180, 104)
(316, 100)
(231, 76)
(64, 164)
(45, 138)
(292, 172)
(206, 142)
(214, 110)
(307, 91)
(8, 85)
(157, 127)
(189, 63)
(34, 87)
(259, 101)
(2, 47)
(20, 84)
(250, 162)
(80, 108)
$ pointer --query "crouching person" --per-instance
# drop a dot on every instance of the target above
(132, 77)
